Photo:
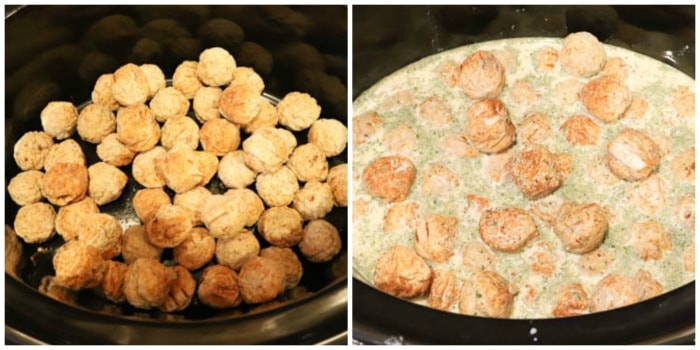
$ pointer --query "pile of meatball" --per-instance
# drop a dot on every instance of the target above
(632, 155)
(236, 134)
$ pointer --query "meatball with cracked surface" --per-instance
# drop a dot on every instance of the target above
(487, 294)
(146, 167)
(338, 180)
(606, 98)
(298, 110)
(193, 200)
(106, 182)
(181, 169)
(135, 245)
(632, 155)
(571, 300)
(233, 172)
(65, 183)
(444, 290)
(314, 200)
(95, 122)
(59, 119)
(481, 75)
(137, 129)
(289, 261)
(535, 171)
(223, 217)
(435, 237)
(650, 240)
(239, 104)
(277, 188)
(489, 127)
(614, 291)
(130, 85)
(389, 178)
(147, 283)
(154, 77)
(147, 201)
(25, 187)
(103, 232)
(246, 76)
(581, 227)
(261, 279)
(251, 203)
(185, 79)
(206, 104)
(507, 229)
(320, 242)
(195, 251)
(68, 151)
(77, 266)
(281, 226)
(216, 66)
(236, 251)
(329, 135)
(69, 217)
(220, 136)
(266, 117)
(169, 103)
(308, 163)
(208, 164)
(581, 130)
(219, 287)
(102, 92)
(112, 151)
(267, 149)
(31, 149)
(112, 283)
(582, 55)
(169, 226)
(181, 291)
(402, 273)
(34, 222)
(180, 130)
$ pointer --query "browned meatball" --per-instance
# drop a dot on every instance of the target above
(435, 237)
(236, 251)
(444, 290)
(65, 183)
(650, 240)
(103, 232)
(181, 291)
(147, 201)
(582, 55)
(507, 229)
(170, 226)
(106, 182)
(632, 155)
(219, 287)
(390, 178)
(581, 131)
(286, 258)
(402, 273)
(77, 265)
(137, 128)
(572, 300)
(487, 294)
(69, 216)
(261, 279)
(34, 223)
(614, 291)
(535, 172)
(147, 283)
(135, 245)
(222, 217)
(606, 98)
(112, 284)
(320, 242)
(281, 226)
(489, 127)
(197, 250)
(581, 227)
(481, 75)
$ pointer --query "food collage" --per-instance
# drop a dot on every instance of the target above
(349, 174)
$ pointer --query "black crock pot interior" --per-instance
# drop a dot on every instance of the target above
(386, 38)
(57, 53)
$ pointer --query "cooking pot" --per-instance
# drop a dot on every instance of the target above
(57, 53)
(386, 38)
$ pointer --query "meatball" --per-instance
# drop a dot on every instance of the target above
(220, 136)
(77, 266)
(154, 77)
(314, 200)
(298, 110)
(582, 55)
(581, 131)
(65, 183)
(195, 251)
(194, 201)
(571, 300)
(25, 187)
(169, 226)
(683, 102)
(59, 119)
(106, 182)
(207, 164)
(103, 232)
(181, 291)
(534, 171)
(146, 168)
(246, 76)
(401, 140)
(147, 283)
(338, 180)
(281, 226)
(95, 122)
(266, 118)
(277, 188)
(308, 163)
(34, 222)
(435, 113)
(261, 279)
(250, 202)
(402, 273)
(648, 286)
(112, 151)
(112, 284)
(444, 290)
(650, 240)
(185, 79)
(130, 85)
(435, 236)
(581, 227)
(488, 294)
(135, 245)
(233, 172)
(70, 216)
(215, 67)
(147, 201)
(632, 155)
(320, 242)
(137, 129)
(329, 135)
(683, 165)
(289, 261)
(223, 217)
(438, 180)
(614, 291)
(685, 211)
(31, 150)
(239, 104)
(102, 92)
(68, 151)
(219, 287)
(389, 178)
(169, 103)
(180, 130)
(364, 126)
(236, 251)
(181, 169)
(489, 127)
(478, 257)
(534, 128)
(507, 230)
(206, 104)
(606, 98)
(268, 148)
(481, 76)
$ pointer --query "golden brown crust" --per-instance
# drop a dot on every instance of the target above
(240, 104)
(106, 182)
(261, 279)
(103, 232)
(534, 171)
(65, 183)
(31, 149)
(185, 79)
(112, 285)
(137, 129)
(34, 222)
(147, 283)
(435, 236)
(298, 110)
(147, 201)
(481, 75)
(180, 130)
(170, 226)
(488, 294)
(215, 67)
(236, 251)
(77, 266)
(195, 251)
(95, 122)
(581, 131)
(130, 85)
(308, 163)
(281, 226)
(112, 151)
(507, 229)
(489, 127)
(314, 200)
(219, 287)
(289, 261)
(402, 273)
(338, 180)
(390, 178)
(632, 155)
(135, 245)
(444, 290)
(571, 300)
(223, 217)
(581, 227)
(68, 151)
(69, 217)
(59, 119)
(329, 135)
(219, 136)
(612, 292)
(320, 242)
(181, 291)
(582, 55)
(606, 98)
